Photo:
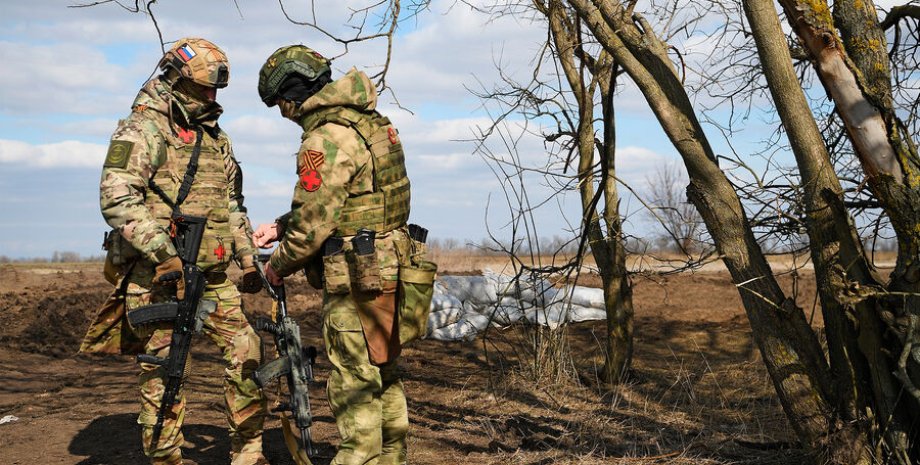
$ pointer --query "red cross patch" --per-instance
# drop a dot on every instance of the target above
(220, 251)
(310, 180)
(187, 135)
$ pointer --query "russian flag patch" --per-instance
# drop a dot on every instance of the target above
(186, 52)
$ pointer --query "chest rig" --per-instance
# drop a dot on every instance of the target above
(387, 207)
(207, 194)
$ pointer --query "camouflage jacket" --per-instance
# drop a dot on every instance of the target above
(335, 166)
(154, 143)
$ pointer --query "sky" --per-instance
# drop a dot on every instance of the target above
(69, 74)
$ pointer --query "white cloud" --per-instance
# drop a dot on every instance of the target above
(66, 78)
(66, 154)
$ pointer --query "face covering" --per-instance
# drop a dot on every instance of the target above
(288, 109)
(196, 104)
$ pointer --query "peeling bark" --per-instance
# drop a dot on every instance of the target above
(859, 368)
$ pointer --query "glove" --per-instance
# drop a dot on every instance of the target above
(251, 282)
(170, 272)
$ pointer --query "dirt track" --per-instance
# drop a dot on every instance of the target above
(699, 393)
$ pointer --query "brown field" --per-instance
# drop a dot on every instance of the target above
(698, 393)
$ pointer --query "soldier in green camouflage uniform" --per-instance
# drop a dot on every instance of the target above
(351, 175)
(152, 147)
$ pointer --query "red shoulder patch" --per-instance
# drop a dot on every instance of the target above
(310, 180)
(391, 132)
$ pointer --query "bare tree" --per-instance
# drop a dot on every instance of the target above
(669, 209)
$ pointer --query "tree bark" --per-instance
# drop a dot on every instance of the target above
(861, 373)
(608, 250)
(790, 349)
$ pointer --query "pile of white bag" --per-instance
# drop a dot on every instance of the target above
(463, 306)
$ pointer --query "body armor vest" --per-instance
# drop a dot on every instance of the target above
(387, 208)
(208, 197)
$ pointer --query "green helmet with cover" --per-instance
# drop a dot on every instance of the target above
(199, 61)
(291, 69)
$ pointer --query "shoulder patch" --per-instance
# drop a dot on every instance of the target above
(310, 180)
(117, 156)
(313, 159)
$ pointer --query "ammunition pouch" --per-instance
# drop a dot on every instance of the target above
(118, 250)
(314, 271)
(414, 293)
(366, 273)
(336, 278)
(118, 254)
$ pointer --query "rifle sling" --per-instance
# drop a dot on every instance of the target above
(187, 180)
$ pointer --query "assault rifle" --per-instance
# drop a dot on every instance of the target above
(293, 362)
(187, 315)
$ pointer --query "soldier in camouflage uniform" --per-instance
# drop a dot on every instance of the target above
(141, 178)
(351, 176)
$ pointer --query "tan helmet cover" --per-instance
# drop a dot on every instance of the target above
(198, 60)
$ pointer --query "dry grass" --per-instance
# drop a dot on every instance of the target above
(698, 392)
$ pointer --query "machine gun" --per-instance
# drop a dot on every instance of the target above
(187, 315)
(293, 362)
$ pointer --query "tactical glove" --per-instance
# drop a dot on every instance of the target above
(250, 282)
(170, 272)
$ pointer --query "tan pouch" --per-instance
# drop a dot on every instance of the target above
(377, 311)
(416, 288)
(118, 254)
(110, 333)
(367, 273)
(335, 274)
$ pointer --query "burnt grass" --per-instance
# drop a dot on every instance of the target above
(697, 392)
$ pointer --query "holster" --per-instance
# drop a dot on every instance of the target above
(377, 312)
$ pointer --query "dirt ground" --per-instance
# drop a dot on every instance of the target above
(698, 392)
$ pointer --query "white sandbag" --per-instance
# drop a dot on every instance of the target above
(586, 296)
(444, 317)
(465, 288)
(441, 301)
(454, 332)
(579, 313)
(465, 329)
(551, 316)
(505, 315)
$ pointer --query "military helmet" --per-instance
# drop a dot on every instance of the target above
(198, 60)
(288, 61)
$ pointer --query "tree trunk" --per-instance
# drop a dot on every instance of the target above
(860, 87)
(859, 370)
(607, 249)
(617, 288)
(790, 349)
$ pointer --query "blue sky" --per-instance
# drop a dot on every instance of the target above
(70, 74)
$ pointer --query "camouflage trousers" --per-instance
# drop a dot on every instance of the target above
(368, 401)
(241, 346)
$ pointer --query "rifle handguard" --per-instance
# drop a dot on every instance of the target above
(151, 359)
(154, 313)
